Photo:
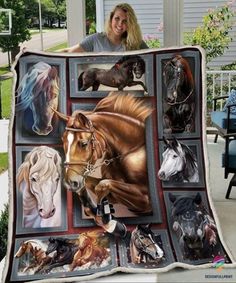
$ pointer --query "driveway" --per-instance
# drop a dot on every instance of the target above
(50, 39)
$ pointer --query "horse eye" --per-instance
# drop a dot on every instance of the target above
(141, 237)
(175, 156)
(32, 179)
(83, 143)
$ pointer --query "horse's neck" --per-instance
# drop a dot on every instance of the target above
(87, 252)
(125, 130)
(29, 201)
(191, 172)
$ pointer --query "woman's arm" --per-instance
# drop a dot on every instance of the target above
(72, 49)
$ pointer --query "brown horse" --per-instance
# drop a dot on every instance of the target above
(179, 102)
(37, 250)
(90, 251)
(115, 133)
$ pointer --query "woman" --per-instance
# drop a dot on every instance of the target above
(122, 33)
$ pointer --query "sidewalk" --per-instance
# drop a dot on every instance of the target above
(4, 135)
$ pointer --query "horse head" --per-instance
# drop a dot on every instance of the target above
(82, 146)
(143, 241)
(24, 248)
(133, 64)
(189, 221)
(178, 80)
(41, 171)
(179, 162)
(39, 91)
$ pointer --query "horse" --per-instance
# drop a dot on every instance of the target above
(37, 250)
(119, 76)
(90, 250)
(179, 163)
(144, 247)
(179, 103)
(64, 250)
(39, 179)
(117, 136)
(38, 91)
(194, 227)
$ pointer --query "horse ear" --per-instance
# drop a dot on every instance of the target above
(172, 197)
(165, 140)
(198, 199)
(84, 121)
(175, 141)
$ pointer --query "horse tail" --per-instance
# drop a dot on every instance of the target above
(80, 81)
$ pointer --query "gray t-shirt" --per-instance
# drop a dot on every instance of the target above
(99, 42)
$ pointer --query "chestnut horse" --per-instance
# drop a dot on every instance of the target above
(114, 133)
(179, 102)
(90, 251)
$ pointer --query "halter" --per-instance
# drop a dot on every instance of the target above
(172, 64)
(143, 247)
(89, 167)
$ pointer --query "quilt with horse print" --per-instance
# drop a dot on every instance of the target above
(108, 166)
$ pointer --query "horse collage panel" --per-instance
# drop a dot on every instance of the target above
(108, 166)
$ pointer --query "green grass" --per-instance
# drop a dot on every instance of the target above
(4, 70)
(3, 162)
(57, 47)
(6, 94)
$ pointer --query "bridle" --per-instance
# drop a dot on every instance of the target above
(172, 63)
(141, 246)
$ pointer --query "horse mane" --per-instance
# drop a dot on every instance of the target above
(184, 204)
(126, 104)
(42, 159)
(40, 78)
(36, 242)
(128, 58)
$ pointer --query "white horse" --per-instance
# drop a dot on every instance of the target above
(179, 163)
(39, 179)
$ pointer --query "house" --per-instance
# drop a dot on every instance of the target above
(150, 17)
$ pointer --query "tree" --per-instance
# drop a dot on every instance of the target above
(19, 32)
(54, 10)
(213, 35)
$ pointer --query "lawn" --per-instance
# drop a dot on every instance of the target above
(3, 162)
(6, 94)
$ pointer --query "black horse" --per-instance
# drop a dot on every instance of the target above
(195, 229)
(119, 76)
(65, 250)
(179, 103)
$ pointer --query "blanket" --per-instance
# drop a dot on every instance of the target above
(108, 166)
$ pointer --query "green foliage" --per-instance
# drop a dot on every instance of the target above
(152, 41)
(213, 35)
(3, 161)
(20, 31)
(3, 231)
(90, 10)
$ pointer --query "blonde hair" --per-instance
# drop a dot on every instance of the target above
(132, 38)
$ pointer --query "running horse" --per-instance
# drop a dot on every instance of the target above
(144, 247)
(90, 251)
(179, 163)
(37, 251)
(39, 180)
(114, 133)
(194, 227)
(119, 76)
(179, 102)
(38, 91)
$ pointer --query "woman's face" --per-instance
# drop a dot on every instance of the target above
(119, 22)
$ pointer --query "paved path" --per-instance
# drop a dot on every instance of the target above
(50, 39)
(4, 135)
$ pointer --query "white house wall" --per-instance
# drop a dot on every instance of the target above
(150, 16)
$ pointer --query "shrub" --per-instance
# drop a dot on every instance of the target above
(152, 41)
(3, 231)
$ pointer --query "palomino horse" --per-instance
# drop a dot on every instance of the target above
(38, 90)
(179, 106)
(117, 135)
(90, 251)
(143, 246)
(119, 76)
(39, 178)
(37, 250)
(195, 229)
(179, 163)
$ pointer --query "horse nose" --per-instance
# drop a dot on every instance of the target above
(44, 214)
(161, 175)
